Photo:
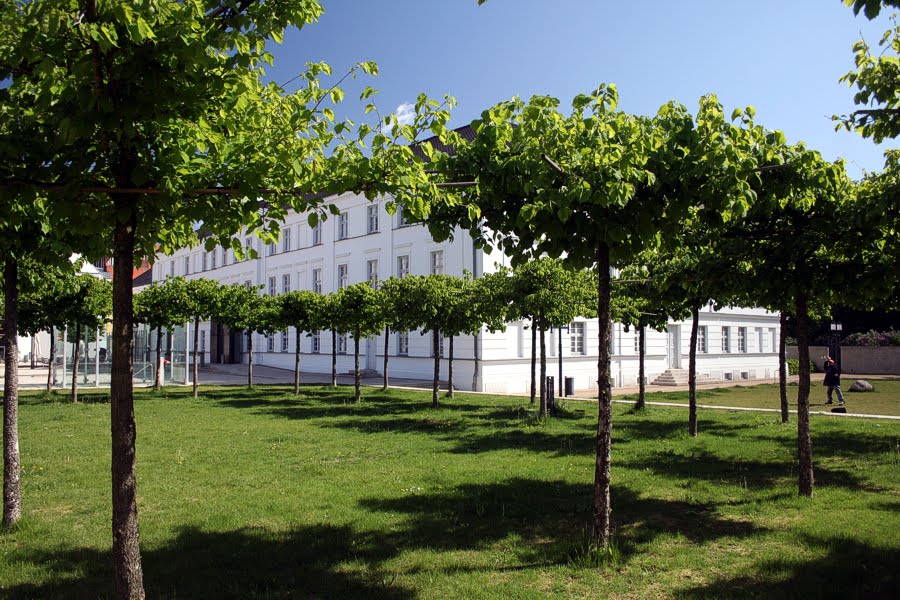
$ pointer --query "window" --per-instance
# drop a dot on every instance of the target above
(342, 343)
(315, 342)
(270, 343)
(372, 273)
(372, 220)
(172, 268)
(401, 218)
(271, 248)
(742, 339)
(343, 276)
(248, 284)
(402, 266)
(187, 265)
(317, 281)
(701, 339)
(202, 340)
(284, 341)
(286, 239)
(212, 259)
(248, 244)
(225, 257)
(203, 261)
(774, 340)
(437, 262)
(272, 286)
(343, 225)
(576, 338)
(317, 234)
(402, 343)
(726, 339)
(760, 339)
(285, 283)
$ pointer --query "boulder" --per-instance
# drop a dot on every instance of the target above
(861, 385)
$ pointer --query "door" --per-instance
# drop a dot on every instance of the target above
(674, 344)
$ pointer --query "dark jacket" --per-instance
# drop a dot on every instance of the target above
(832, 374)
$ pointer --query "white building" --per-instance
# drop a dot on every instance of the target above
(366, 243)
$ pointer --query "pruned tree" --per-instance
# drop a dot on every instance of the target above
(361, 310)
(91, 308)
(241, 308)
(163, 307)
(203, 296)
(299, 309)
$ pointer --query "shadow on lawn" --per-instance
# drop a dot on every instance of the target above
(247, 563)
(848, 569)
(549, 517)
(751, 474)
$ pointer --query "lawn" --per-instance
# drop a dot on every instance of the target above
(247, 494)
(883, 400)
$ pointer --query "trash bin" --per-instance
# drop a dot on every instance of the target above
(570, 386)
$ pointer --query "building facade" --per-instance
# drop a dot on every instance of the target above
(365, 243)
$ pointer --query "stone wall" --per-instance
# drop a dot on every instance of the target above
(858, 359)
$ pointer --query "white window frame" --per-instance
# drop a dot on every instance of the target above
(212, 258)
(702, 339)
(372, 218)
(372, 272)
(272, 283)
(285, 341)
(343, 343)
(577, 332)
(172, 268)
(285, 283)
(271, 249)
(343, 276)
(317, 280)
(402, 266)
(726, 339)
(317, 234)
(402, 343)
(202, 341)
(343, 226)
(286, 239)
(742, 340)
(270, 343)
(248, 245)
(187, 265)
(315, 342)
(436, 262)
(203, 261)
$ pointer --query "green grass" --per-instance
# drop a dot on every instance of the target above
(883, 400)
(256, 493)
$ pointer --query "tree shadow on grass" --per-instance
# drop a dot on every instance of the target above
(849, 569)
(836, 442)
(548, 516)
(247, 563)
(751, 474)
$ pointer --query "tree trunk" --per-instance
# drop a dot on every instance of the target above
(250, 358)
(75, 362)
(543, 383)
(160, 367)
(50, 365)
(435, 342)
(387, 336)
(196, 357)
(804, 444)
(126, 537)
(782, 370)
(642, 388)
(602, 508)
(533, 360)
(450, 370)
(333, 358)
(12, 488)
(692, 371)
(356, 363)
(297, 365)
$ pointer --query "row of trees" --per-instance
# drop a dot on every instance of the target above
(125, 124)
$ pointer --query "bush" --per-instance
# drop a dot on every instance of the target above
(873, 338)
(793, 366)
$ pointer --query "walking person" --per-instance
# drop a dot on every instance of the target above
(833, 381)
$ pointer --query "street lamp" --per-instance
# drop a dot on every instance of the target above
(835, 346)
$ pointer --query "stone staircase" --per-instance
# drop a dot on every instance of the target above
(676, 377)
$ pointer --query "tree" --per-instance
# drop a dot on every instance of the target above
(392, 295)
(241, 308)
(299, 309)
(360, 308)
(139, 112)
(329, 317)
(89, 311)
(203, 297)
(162, 307)
(589, 186)
(551, 295)
(876, 78)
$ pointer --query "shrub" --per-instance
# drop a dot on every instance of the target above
(873, 338)
(793, 366)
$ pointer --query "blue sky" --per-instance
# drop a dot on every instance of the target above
(783, 57)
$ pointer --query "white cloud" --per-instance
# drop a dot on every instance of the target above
(406, 113)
